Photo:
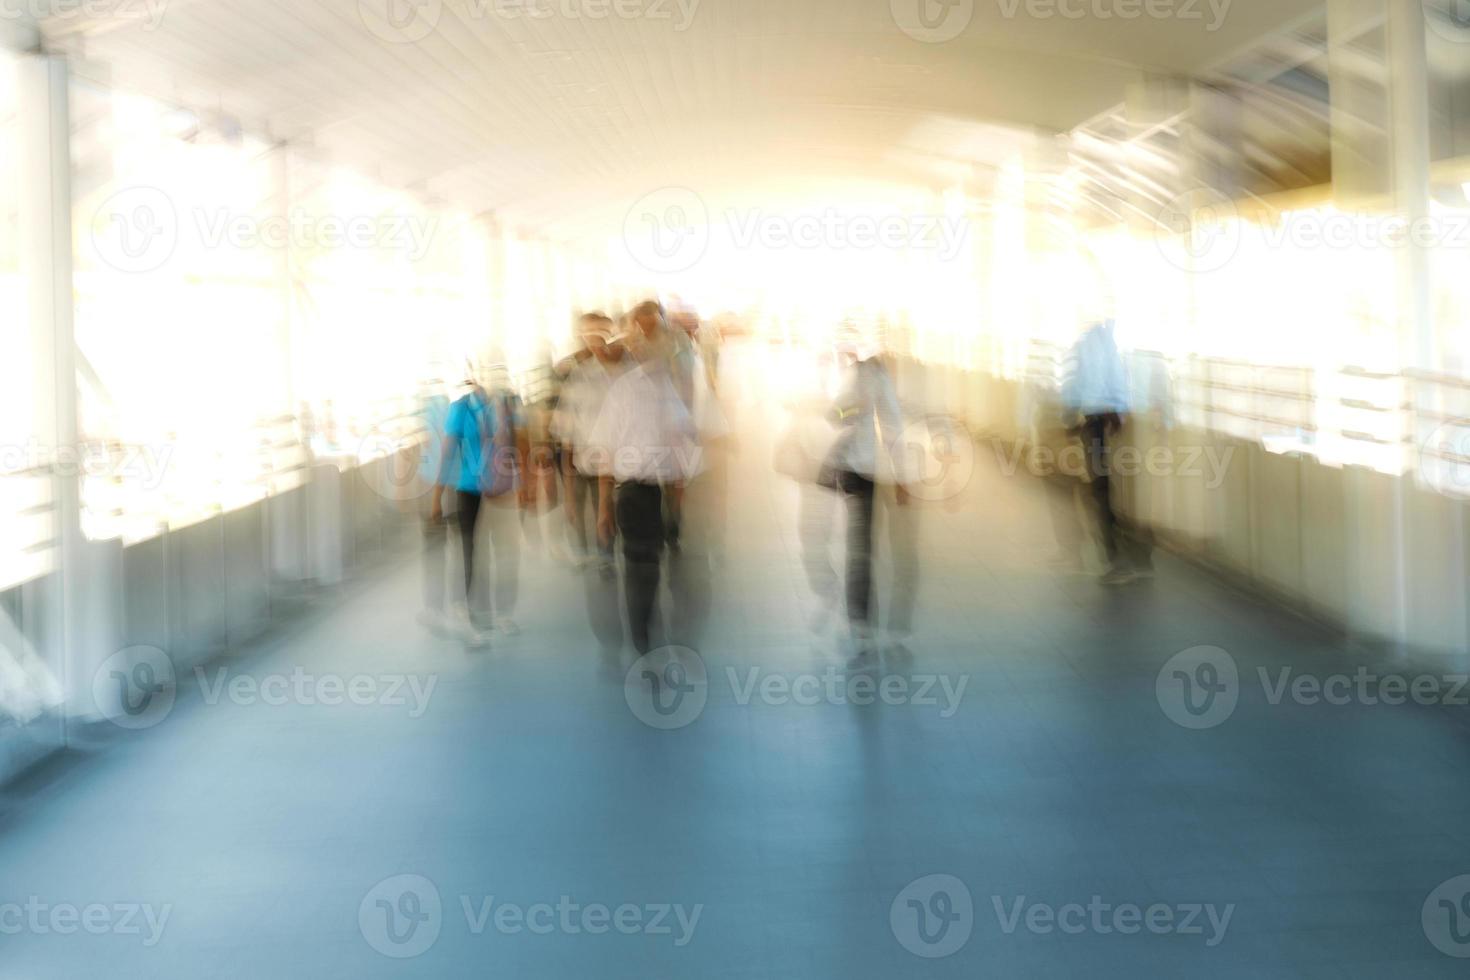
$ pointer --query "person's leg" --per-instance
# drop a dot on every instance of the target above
(505, 542)
(467, 511)
(858, 491)
(436, 535)
(817, 516)
(903, 550)
(1095, 437)
(641, 523)
(604, 548)
(577, 524)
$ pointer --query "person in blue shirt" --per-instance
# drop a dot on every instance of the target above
(469, 431)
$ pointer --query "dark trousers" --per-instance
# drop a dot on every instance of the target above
(469, 516)
(1095, 446)
(583, 492)
(857, 491)
(640, 517)
(1096, 432)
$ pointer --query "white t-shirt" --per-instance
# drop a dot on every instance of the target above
(582, 396)
(645, 433)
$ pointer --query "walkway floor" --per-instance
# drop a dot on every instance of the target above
(805, 835)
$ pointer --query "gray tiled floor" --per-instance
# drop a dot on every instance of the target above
(528, 778)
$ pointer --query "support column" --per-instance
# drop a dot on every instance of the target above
(45, 223)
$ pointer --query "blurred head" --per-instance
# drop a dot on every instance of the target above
(856, 340)
(596, 333)
(686, 320)
(648, 317)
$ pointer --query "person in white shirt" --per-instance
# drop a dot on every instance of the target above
(1095, 405)
(645, 447)
(867, 451)
(589, 375)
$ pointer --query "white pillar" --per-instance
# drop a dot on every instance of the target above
(45, 223)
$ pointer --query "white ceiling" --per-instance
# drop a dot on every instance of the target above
(548, 119)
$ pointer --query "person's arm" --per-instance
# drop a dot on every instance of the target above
(448, 459)
(606, 522)
(602, 442)
(890, 427)
(522, 437)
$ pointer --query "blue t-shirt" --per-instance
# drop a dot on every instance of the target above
(471, 421)
(433, 415)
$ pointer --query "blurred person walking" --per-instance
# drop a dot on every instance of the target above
(481, 461)
(867, 413)
(589, 374)
(648, 435)
(1095, 405)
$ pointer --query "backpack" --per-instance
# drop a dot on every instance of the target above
(499, 469)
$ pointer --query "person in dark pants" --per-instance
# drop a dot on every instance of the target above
(640, 520)
(1095, 390)
(1097, 431)
(647, 434)
(588, 376)
(858, 493)
(866, 409)
(467, 438)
